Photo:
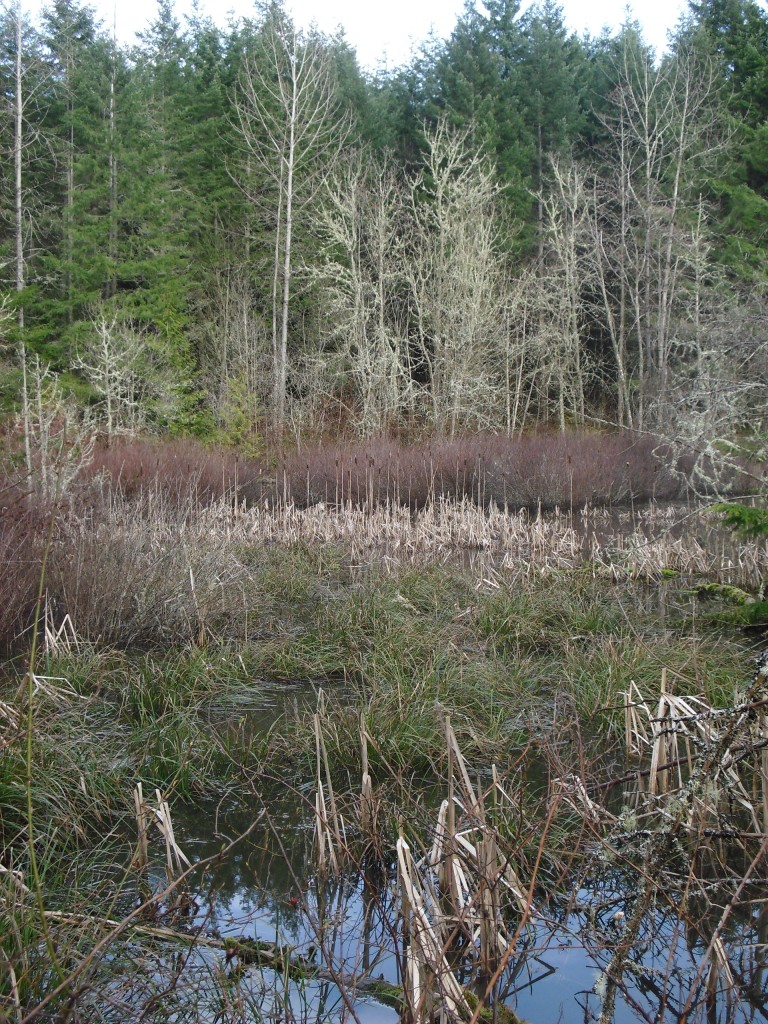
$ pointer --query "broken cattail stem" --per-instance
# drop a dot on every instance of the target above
(141, 858)
(366, 790)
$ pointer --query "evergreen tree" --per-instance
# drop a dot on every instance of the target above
(155, 213)
(78, 125)
(552, 67)
(478, 87)
(27, 172)
(735, 33)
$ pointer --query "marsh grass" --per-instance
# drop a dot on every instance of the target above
(147, 572)
(446, 634)
(226, 597)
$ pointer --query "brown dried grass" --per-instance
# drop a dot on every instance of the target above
(138, 571)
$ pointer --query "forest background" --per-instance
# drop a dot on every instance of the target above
(237, 234)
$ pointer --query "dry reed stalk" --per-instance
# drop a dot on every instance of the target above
(16, 877)
(413, 986)
(141, 857)
(716, 955)
(661, 749)
(428, 946)
(455, 891)
(636, 734)
(14, 987)
(498, 790)
(502, 866)
(175, 859)
(720, 737)
(56, 689)
(10, 724)
(455, 753)
(63, 640)
(329, 831)
(572, 790)
(466, 870)
(489, 932)
(719, 972)
(679, 729)
(615, 546)
(504, 872)
(199, 632)
(448, 874)
(437, 851)
(367, 815)
(470, 867)
(325, 853)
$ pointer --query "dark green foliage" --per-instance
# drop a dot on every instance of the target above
(749, 522)
(143, 204)
(735, 34)
(745, 520)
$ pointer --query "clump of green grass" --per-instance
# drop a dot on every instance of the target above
(550, 615)
(500, 660)
(102, 723)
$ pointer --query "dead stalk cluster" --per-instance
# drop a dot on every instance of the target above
(693, 830)
(695, 808)
(642, 544)
(455, 900)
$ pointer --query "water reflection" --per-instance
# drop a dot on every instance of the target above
(268, 891)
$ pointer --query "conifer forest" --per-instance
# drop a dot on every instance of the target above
(229, 233)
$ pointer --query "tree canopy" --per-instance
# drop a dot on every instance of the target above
(579, 228)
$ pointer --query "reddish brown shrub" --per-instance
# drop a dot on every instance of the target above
(183, 472)
(543, 469)
(23, 528)
(547, 470)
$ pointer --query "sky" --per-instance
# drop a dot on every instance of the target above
(383, 33)
(390, 28)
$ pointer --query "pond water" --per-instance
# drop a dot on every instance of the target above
(267, 889)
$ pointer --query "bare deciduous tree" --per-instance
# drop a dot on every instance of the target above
(236, 354)
(363, 224)
(456, 273)
(287, 119)
(665, 125)
(61, 442)
(110, 360)
(564, 280)
(24, 95)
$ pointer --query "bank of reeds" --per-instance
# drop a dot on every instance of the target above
(134, 572)
(125, 581)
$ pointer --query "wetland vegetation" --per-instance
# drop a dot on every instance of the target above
(484, 760)
(370, 648)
